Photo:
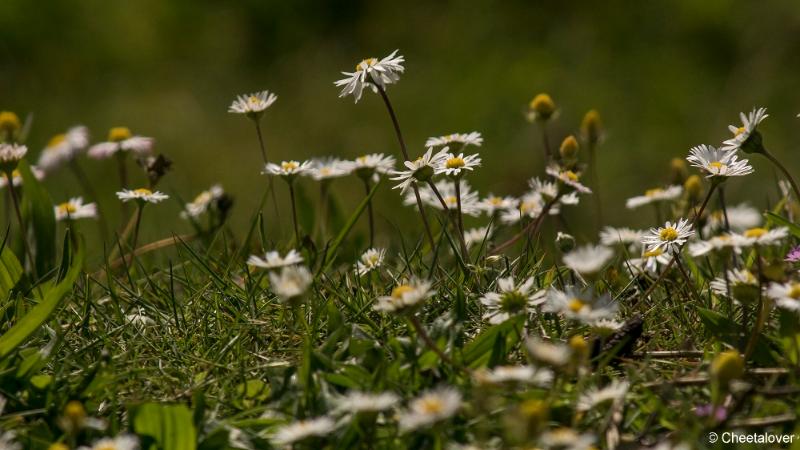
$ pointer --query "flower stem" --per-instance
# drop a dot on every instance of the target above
(13, 191)
(464, 250)
(122, 170)
(531, 229)
(762, 310)
(785, 171)
(91, 194)
(594, 179)
(548, 154)
(270, 186)
(136, 225)
(294, 213)
(431, 344)
(367, 189)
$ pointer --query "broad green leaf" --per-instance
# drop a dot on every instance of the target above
(782, 221)
(10, 271)
(478, 352)
(39, 213)
(170, 427)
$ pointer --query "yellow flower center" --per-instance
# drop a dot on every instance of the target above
(431, 405)
(57, 446)
(289, 165)
(362, 159)
(117, 134)
(575, 305)
(451, 200)
(739, 131)
(9, 121)
(755, 232)
(325, 171)
(57, 139)
(653, 192)
(668, 234)
(109, 446)
(253, 99)
(67, 208)
(653, 253)
(495, 201)
(569, 175)
(75, 411)
(794, 292)
(366, 64)
(543, 105)
(399, 291)
(143, 191)
(455, 163)
(717, 165)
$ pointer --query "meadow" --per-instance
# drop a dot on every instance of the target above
(485, 322)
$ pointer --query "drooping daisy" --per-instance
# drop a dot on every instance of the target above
(476, 236)
(786, 295)
(576, 306)
(303, 429)
(760, 236)
(722, 242)
(529, 206)
(670, 237)
(655, 195)
(120, 139)
(371, 73)
(493, 203)
(460, 140)
(429, 408)
(741, 135)
(121, 442)
(287, 169)
(273, 260)
(202, 202)
(456, 165)
(626, 236)
(516, 374)
(16, 177)
(405, 296)
(569, 178)
(328, 168)
(370, 260)
(63, 148)
(421, 169)
(739, 218)
(743, 285)
(588, 260)
(650, 261)
(253, 105)
(75, 209)
(10, 156)
(357, 402)
(511, 299)
(365, 166)
(614, 392)
(291, 283)
(718, 162)
(555, 354)
(142, 195)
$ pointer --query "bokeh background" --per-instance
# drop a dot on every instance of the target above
(665, 75)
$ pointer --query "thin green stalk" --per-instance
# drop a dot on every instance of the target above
(785, 171)
(370, 213)
(13, 191)
(294, 213)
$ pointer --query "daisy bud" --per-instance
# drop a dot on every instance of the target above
(74, 416)
(9, 124)
(727, 366)
(678, 170)
(579, 347)
(541, 108)
(592, 127)
(565, 242)
(536, 413)
(569, 148)
(117, 134)
(694, 187)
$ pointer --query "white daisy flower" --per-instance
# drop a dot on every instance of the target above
(743, 285)
(8, 438)
(357, 402)
(11, 155)
(421, 169)
(273, 260)
(16, 177)
(567, 439)
(670, 237)
(370, 260)
(429, 408)
(575, 306)
(142, 195)
(493, 203)
(476, 236)
(786, 295)
(120, 139)
(606, 325)
(511, 300)
(75, 209)
(405, 296)
(718, 162)
(139, 319)
(614, 392)
(547, 189)
(291, 282)
(749, 127)
(253, 105)
(589, 259)
(371, 73)
(63, 148)
(464, 139)
(303, 429)
(650, 261)
(556, 354)
(626, 236)
(202, 202)
(740, 218)
(529, 206)
(655, 195)
(455, 165)
(328, 168)
(447, 189)
(122, 442)
(516, 374)
(366, 166)
(760, 236)
(569, 178)
(287, 169)
(715, 243)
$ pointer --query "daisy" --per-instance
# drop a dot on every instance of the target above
(202, 202)
(371, 73)
(529, 206)
(464, 139)
(786, 295)
(743, 285)
(614, 392)
(370, 260)
(303, 429)
(721, 242)
(477, 236)
(516, 374)
(493, 203)
(63, 148)
(141, 195)
(121, 442)
(365, 166)
(10, 156)
(655, 195)
(429, 408)
(405, 296)
(329, 168)
(718, 162)
(589, 259)
(575, 306)
(760, 236)
(421, 169)
(447, 190)
(553, 354)
(670, 237)
(455, 165)
(75, 209)
(650, 261)
(742, 134)
(547, 189)
(120, 139)
(291, 283)
(287, 169)
(273, 260)
(511, 300)
(626, 236)
(253, 105)
(569, 178)
(16, 177)
(739, 218)
(357, 402)
(566, 438)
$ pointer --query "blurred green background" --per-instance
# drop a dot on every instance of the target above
(665, 75)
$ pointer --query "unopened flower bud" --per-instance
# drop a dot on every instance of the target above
(9, 125)
(569, 148)
(694, 187)
(565, 242)
(678, 170)
(592, 127)
(727, 366)
(536, 413)
(541, 108)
